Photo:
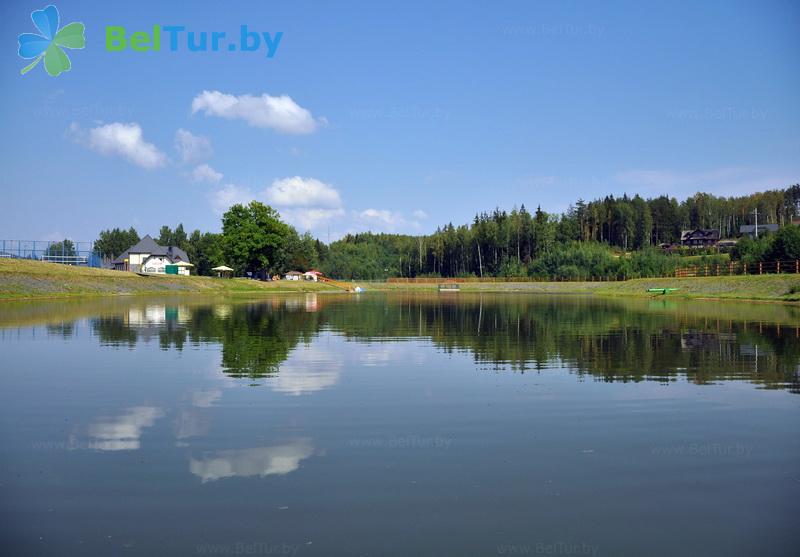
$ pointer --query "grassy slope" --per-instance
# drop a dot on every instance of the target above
(20, 279)
(764, 287)
(747, 287)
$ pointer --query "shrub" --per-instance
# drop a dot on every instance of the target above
(785, 245)
(748, 250)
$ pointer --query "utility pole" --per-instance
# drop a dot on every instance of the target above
(755, 230)
(480, 263)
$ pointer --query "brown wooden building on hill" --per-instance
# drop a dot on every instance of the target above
(700, 237)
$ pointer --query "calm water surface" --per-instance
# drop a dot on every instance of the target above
(399, 425)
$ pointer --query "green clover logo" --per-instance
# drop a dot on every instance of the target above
(49, 44)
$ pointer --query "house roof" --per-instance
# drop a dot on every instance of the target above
(293, 273)
(148, 245)
(312, 272)
(700, 234)
(750, 228)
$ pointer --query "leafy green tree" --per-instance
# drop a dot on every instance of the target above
(111, 243)
(785, 245)
(747, 250)
(169, 237)
(644, 223)
(301, 252)
(254, 238)
(205, 252)
(65, 247)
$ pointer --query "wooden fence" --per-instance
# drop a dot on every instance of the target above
(739, 268)
(462, 280)
(724, 269)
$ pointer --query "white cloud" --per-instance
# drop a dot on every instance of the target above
(229, 195)
(380, 216)
(420, 214)
(384, 220)
(192, 148)
(302, 192)
(279, 113)
(310, 219)
(125, 140)
(204, 173)
(307, 203)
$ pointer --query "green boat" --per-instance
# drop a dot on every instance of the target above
(663, 291)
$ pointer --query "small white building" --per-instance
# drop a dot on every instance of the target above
(293, 275)
(312, 275)
(149, 257)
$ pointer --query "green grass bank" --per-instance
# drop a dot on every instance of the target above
(21, 279)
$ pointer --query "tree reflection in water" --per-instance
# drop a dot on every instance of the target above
(611, 340)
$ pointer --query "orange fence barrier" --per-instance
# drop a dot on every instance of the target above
(339, 284)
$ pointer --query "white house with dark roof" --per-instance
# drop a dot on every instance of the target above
(149, 257)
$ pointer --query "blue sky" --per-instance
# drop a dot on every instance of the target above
(396, 117)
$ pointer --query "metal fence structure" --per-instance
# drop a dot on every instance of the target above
(66, 252)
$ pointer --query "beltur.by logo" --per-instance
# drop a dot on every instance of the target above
(50, 44)
(176, 37)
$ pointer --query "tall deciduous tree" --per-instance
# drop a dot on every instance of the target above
(112, 243)
(65, 247)
(254, 238)
(169, 237)
(205, 251)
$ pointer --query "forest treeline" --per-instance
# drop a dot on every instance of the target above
(605, 237)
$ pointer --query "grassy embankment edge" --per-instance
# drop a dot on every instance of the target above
(773, 288)
(21, 280)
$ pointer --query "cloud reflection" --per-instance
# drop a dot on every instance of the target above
(122, 433)
(258, 461)
(310, 369)
(206, 399)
